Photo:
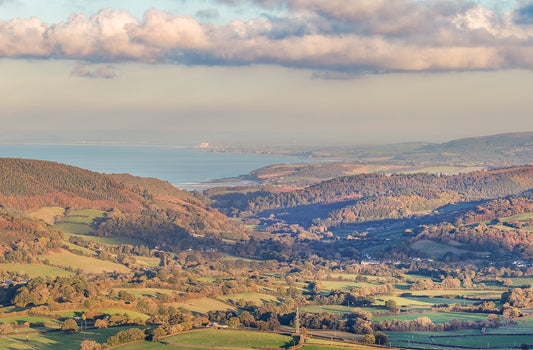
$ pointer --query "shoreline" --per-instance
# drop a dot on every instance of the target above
(227, 182)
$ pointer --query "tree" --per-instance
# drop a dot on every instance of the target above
(99, 323)
(70, 326)
(367, 339)
(5, 328)
(392, 306)
(381, 338)
(234, 322)
(90, 345)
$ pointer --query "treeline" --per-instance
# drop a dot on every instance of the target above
(33, 178)
(14, 226)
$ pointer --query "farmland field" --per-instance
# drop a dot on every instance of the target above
(435, 317)
(91, 213)
(119, 240)
(24, 318)
(203, 305)
(87, 264)
(342, 285)
(147, 292)
(339, 309)
(229, 338)
(436, 250)
(151, 262)
(257, 298)
(146, 345)
(57, 340)
(35, 270)
(47, 214)
(73, 228)
(319, 344)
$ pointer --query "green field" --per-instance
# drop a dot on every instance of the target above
(146, 345)
(470, 338)
(320, 344)
(436, 250)
(25, 318)
(521, 217)
(147, 292)
(68, 227)
(257, 298)
(482, 294)
(119, 240)
(341, 285)
(522, 281)
(486, 341)
(435, 317)
(203, 305)
(57, 340)
(92, 213)
(35, 270)
(132, 314)
(86, 264)
(213, 338)
(422, 302)
(112, 311)
(147, 261)
(77, 247)
(333, 309)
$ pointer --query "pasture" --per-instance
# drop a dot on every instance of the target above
(63, 257)
(69, 227)
(436, 250)
(215, 338)
(47, 214)
(340, 309)
(147, 261)
(203, 305)
(257, 298)
(118, 240)
(35, 270)
(320, 344)
(57, 340)
(147, 292)
(435, 317)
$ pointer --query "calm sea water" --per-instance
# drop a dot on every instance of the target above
(182, 167)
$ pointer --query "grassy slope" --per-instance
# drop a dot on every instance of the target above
(87, 264)
(229, 338)
(35, 270)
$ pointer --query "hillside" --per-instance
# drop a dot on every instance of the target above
(124, 204)
(494, 150)
(376, 213)
(453, 157)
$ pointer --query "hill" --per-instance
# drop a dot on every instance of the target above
(378, 213)
(494, 150)
(126, 205)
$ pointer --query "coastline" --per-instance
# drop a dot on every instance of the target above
(228, 182)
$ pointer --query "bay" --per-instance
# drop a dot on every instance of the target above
(182, 166)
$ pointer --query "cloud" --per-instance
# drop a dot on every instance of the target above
(208, 13)
(336, 37)
(106, 72)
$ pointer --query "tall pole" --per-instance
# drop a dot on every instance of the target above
(297, 320)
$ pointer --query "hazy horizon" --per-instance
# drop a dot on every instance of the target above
(315, 72)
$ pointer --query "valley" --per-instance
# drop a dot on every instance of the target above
(353, 258)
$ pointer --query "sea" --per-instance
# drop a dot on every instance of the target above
(183, 166)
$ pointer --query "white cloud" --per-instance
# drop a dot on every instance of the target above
(349, 36)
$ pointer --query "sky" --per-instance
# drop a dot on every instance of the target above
(264, 71)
